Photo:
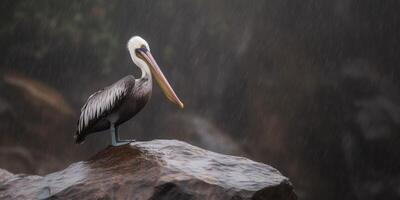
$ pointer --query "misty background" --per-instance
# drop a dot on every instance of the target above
(310, 87)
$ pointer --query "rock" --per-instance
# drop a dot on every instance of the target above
(159, 169)
(4, 175)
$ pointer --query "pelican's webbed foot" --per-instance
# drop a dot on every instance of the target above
(120, 143)
(129, 141)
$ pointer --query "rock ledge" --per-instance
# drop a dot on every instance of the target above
(158, 169)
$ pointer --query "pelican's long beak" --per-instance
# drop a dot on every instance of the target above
(159, 76)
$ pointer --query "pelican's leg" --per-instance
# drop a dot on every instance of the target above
(114, 137)
(123, 141)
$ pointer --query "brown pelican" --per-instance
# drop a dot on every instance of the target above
(115, 104)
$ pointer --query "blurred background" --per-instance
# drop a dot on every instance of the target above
(310, 87)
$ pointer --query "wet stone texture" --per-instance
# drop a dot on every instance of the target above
(159, 169)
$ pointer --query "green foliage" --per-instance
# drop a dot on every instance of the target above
(63, 24)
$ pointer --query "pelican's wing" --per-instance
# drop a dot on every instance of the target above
(102, 103)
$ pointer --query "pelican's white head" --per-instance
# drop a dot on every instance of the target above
(135, 43)
(141, 56)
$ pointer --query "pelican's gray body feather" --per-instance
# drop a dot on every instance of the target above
(113, 105)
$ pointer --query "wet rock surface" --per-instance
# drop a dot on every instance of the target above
(159, 169)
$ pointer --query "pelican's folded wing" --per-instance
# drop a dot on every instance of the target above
(102, 103)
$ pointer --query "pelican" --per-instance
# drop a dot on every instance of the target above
(119, 102)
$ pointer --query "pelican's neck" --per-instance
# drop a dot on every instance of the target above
(145, 70)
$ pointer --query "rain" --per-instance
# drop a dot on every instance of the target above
(308, 87)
